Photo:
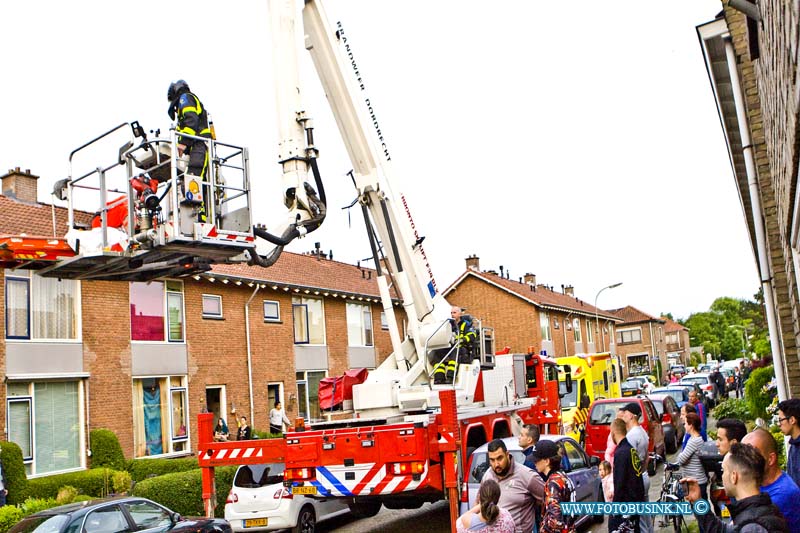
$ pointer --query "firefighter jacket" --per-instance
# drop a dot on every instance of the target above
(192, 118)
(465, 334)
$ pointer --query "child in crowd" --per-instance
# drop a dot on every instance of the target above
(608, 481)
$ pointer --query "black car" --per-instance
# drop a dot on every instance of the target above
(119, 515)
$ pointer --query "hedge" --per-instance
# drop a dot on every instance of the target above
(96, 482)
(106, 451)
(757, 399)
(182, 491)
(9, 515)
(732, 408)
(14, 468)
(141, 469)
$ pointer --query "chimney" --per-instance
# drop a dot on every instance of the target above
(529, 278)
(569, 290)
(20, 185)
(473, 263)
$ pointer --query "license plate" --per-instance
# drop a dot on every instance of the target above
(256, 522)
(311, 489)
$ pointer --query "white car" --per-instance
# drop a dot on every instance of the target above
(258, 501)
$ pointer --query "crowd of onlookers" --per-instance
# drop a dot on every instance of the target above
(526, 497)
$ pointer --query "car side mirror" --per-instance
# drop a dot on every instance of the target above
(175, 517)
(594, 461)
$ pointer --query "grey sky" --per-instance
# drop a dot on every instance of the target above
(578, 141)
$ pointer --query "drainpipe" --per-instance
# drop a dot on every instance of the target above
(249, 356)
(758, 224)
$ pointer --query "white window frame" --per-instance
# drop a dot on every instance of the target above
(384, 321)
(544, 323)
(622, 332)
(302, 307)
(172, 439)
(212, 297)
(576, 329)
(589, 331)
(30, 399)
(307, 407)
(165, 296)
(271, 318)
(356, 315)
(26, 276)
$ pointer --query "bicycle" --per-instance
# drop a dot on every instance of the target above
(672, 492)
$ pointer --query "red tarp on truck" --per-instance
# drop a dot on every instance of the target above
(333, 391)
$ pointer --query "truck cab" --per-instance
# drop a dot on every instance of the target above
(594, 376)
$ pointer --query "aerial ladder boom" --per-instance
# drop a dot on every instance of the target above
(389, 225)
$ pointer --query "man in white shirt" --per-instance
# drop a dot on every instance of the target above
(277, 418)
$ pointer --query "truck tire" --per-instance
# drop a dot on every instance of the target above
(306, 520)
(365, 508)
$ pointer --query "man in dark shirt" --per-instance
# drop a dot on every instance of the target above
(628, 469)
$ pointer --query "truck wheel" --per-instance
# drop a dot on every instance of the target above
(306, 520)
(365, 508)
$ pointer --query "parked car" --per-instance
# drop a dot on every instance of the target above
(670, 414)
(678, 370)
(258, 501)
(602, 412)
(730, 378)
(631, 388)
(706, 386)
(579, 467)
(679, 393)
(116, 514)
(647, 382)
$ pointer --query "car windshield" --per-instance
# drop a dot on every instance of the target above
(631, 385)
(480, 464)
(254, 476)
(41, 524)
(699, 380)
(603, 413)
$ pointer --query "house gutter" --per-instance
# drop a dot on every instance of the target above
(758, 224)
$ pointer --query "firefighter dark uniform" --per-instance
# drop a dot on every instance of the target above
(192, 120)
(464, 347)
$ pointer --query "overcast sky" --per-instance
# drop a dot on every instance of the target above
(578, 141)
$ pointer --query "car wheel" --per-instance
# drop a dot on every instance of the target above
(365, 508)
(306, 520)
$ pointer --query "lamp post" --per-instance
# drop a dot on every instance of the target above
(744, 337)
(596, 315)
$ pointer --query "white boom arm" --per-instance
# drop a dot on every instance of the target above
(409, 273)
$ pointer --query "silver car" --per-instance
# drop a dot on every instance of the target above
(580, 468)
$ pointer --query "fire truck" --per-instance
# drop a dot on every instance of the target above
(409, 437)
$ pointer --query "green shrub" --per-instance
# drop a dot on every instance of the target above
(9, 515)
(258, 434)
(82, 498)
(66, 494)
(757, 398)
(182, 491)
(145, 468)
(34, 505)
(778, 436)
(106, 451)
(14, 468)
(732, 408)
(95, 482)
(121, 481)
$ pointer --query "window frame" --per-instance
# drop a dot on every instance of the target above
(269, 318)
(31, 423)
(27, 282)
(576, 329)
(633, 340)
(167, 324)
(303, 302)
(306, 409)
(364, 316)
(218, 299)
(589, 331)
(169, 443)
(16, 276)
(544, 325)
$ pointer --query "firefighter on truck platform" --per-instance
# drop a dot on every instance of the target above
(444, 370)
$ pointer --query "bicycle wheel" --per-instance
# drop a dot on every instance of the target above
(679, 524)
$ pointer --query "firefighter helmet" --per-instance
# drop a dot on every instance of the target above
(176, 88)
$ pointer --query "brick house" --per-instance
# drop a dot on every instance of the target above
(143, 359)
(678, 342)
(752, 65)
(526, 314)
(641, 343)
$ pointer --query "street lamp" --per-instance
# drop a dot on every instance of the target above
(596, 316)
(744, 337)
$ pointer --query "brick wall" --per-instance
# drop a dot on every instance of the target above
(770, 87)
